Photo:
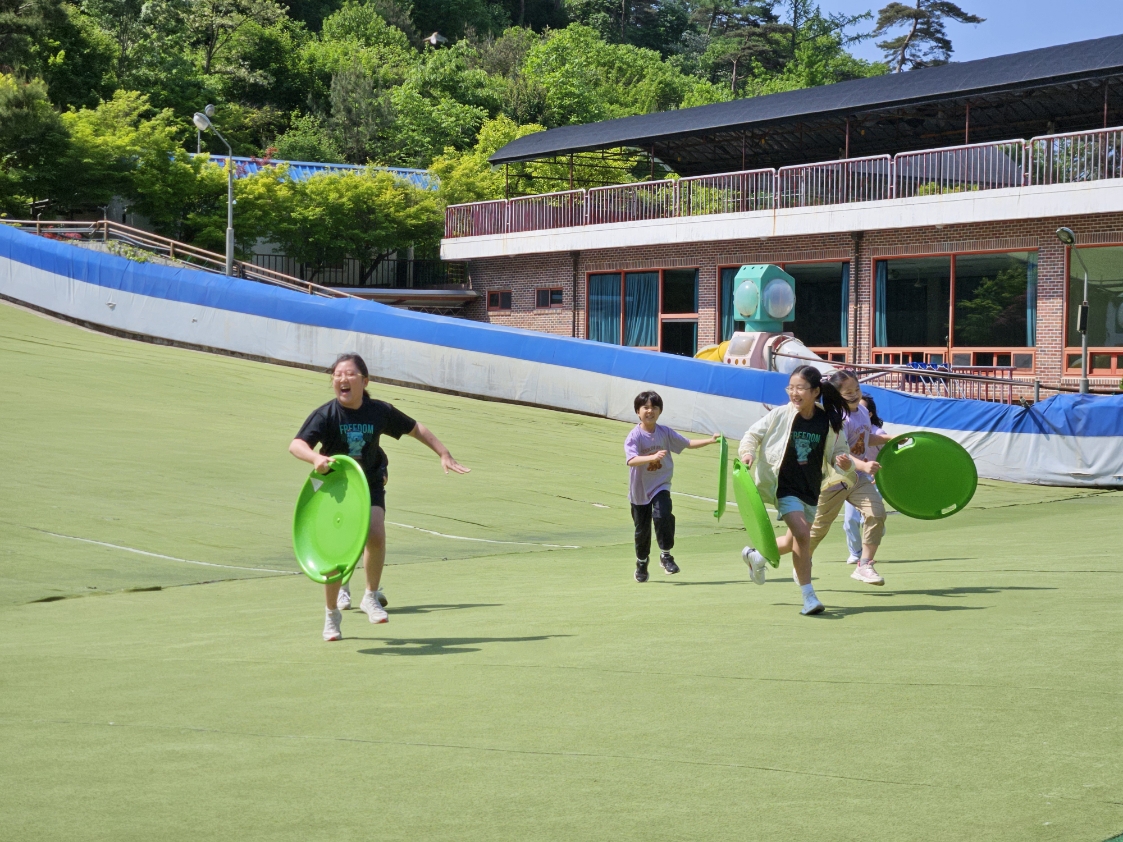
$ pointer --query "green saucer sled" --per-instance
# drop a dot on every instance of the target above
(762, 536)
(722, 475)
(332, 518)
(926, 476)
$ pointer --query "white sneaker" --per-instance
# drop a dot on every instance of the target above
(381, 597)
(372, 609)
(343, 601)
(756, 563)
(331, 625)
(866, 573)
(853, 560)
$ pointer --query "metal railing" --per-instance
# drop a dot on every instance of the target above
(633, 202)
(546, 210)
(1076, 157)
(389, 273)
(960, 169)
(982, 383)
(476, 219)
(107, 231)
(1051, 159)
(737, 192)
(835, 182)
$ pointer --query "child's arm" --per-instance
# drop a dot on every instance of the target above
(635, 461)
(879, 439)
(750, 443)
(423, 435)
(871, 467)
(695, 443)
(301, 450)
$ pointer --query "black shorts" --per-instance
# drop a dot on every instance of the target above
(378, 489)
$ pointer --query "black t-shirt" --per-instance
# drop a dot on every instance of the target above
(801, 472)
(355, 432)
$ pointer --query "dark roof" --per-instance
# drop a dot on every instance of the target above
(1018, 95)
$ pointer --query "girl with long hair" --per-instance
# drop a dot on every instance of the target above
(795, 451)
(852, 519)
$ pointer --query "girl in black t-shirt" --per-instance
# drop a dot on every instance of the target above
(351, 425)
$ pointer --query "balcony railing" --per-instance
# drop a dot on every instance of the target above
(1051, 159)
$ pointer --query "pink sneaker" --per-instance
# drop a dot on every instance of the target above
(865, 573)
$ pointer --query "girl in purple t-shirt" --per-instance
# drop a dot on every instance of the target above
(648, 450)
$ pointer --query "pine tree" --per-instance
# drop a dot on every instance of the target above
(926, 42)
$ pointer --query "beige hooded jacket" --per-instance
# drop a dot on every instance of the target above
(768, 438)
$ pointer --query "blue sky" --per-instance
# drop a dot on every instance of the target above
(1011, 25)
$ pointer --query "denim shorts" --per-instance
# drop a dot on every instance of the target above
(787, 505)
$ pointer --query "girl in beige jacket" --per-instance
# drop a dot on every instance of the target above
(796, 451)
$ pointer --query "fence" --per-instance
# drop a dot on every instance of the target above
(546, 211)
(835, 182)
(979, 166)
(982, 383)
(1051, 159)
(1081, 156)
(391, 272)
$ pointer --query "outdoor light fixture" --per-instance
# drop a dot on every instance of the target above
(1068, 237)
(202, 121)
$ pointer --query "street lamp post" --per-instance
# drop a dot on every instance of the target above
(203, 123)
(1068, 237)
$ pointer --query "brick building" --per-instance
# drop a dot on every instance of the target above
(916, 211)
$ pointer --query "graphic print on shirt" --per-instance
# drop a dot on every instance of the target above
(357, 436)
(859, 447)
(804, 443)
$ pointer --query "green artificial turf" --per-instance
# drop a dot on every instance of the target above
(519, 692)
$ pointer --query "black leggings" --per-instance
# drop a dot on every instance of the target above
(659, 510)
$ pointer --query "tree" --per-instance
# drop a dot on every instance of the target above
(32, 141)
(925, 43)
(212, 24)
(24, 23)
(307, 139)
(365, 216)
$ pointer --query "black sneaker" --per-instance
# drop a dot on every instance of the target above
(641, 571)
(668, 562)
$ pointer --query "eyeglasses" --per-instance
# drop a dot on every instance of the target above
(796, 390)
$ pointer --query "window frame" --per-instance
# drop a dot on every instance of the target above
(830, 353)
(891, 354)
(1116, 353)
(670, 317)
(500, 308)
(549, 306)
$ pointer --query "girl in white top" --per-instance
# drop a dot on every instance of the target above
(852, 520)
(794, 452)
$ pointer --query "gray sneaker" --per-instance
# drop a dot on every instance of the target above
(756, 563)
(372, 609)
(331, 625)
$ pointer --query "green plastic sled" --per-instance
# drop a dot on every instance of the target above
(926, 476)
(332, 518)
(762, 536)
(722, 475)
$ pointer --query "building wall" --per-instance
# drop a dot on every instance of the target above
(522, 275)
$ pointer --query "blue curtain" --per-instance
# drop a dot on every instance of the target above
(844, 324)
(730, 318)
(641, 309)
(1031, 300)
(604, 308)
(881, 334)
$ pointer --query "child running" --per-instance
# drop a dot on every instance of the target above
(852, 519)
(351, 425)
(648, 450)
(863, 494)
(795, 451)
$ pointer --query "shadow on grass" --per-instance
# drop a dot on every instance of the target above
(835, 612)
(691, 584)
(429, 609)
(446, 645)
(948, 592)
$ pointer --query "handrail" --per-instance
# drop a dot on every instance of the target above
(211, 261)
(1046, 159)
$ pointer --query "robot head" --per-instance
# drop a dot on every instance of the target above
(764, 297)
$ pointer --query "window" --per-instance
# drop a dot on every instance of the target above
(653, 309)
(604, 308)
(641, 309)
(912, 301)
(822, 295)
(995, 301)
(680, 338)
(730, 319)
(544, 298)
(1105, 298)
(499, 299)
(680, 291)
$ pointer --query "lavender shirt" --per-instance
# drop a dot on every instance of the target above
(858, 428)
(648, 480)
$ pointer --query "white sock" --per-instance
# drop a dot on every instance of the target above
(807, 590)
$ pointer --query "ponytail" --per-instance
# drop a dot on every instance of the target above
(872, 407)
(832, 401)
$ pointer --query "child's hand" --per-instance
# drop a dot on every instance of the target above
(748, 463)
(321, 464)
(844, 461)
(872, 468)
(659, 455)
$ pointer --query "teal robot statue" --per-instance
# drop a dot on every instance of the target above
(764, 296)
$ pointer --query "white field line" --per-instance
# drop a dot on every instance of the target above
(483, 540)
(730, 503)
(165, 557)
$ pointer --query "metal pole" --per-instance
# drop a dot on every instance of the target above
(229, 215)
(1082, 325)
